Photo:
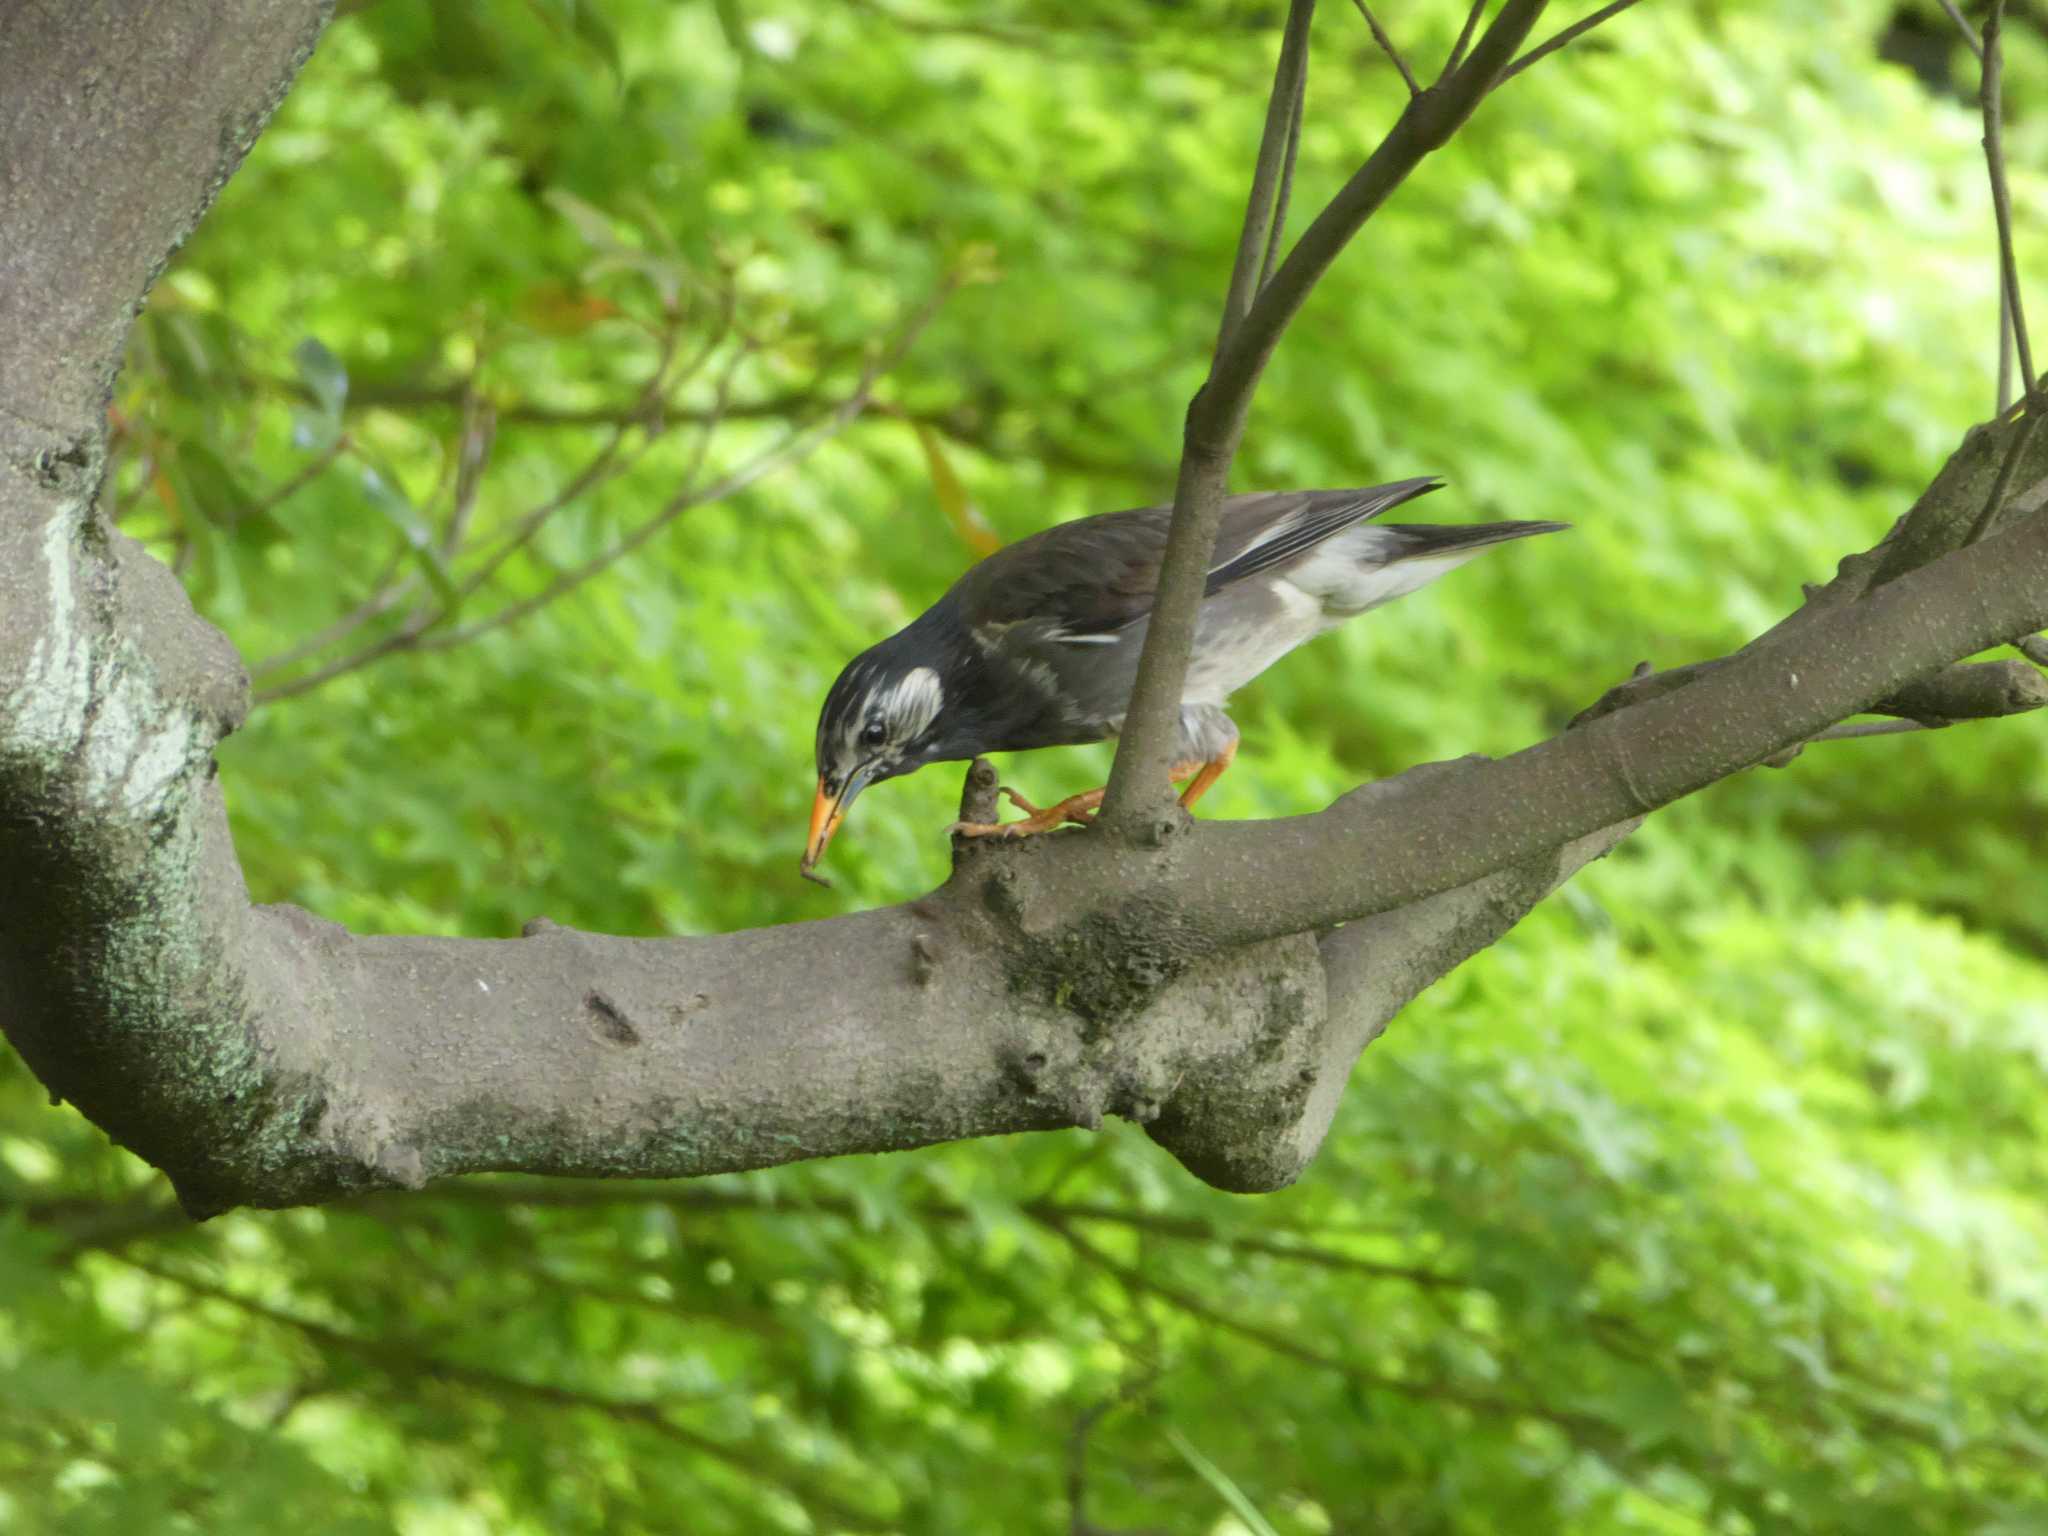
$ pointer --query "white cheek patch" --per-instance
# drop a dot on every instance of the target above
(912, 703)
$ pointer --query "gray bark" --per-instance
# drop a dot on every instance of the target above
(1191, 978)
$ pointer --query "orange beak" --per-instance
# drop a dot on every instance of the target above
(826, 812)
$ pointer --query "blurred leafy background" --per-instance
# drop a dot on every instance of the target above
(1709, 1201)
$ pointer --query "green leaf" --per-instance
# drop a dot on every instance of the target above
(1217, 1478)
(583, 20)
(954, 501)
(592, 223)
(210, 488)
(590, 24)
(734, 26)
(388, 498)
(326, 380)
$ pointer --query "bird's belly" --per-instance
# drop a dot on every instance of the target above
(1239, 639)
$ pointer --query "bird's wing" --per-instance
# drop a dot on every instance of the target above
(1092, 576)
(1262, 531)
(1089, 581)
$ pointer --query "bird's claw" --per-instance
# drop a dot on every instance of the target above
(1078, 809)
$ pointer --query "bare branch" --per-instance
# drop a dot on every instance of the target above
(1465, 36)
(1863, 729)
(314, 468)
(1568, 36)
(272, 1058)
(2004, 395)
(414, 1363)
(424, 628)
(1138, 790)
(1278, 230)
(1141, 1282)
(791, 448)
(1275, 160)
(799, 444)
(1991, 98)
(386, 593)
(1969, 33)
(1379, 35)
(472, 450)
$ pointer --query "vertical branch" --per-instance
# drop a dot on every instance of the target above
(1991, 97)
(1274, 167)
(1278, 231)
(2004, 345)
(1465, 35)
(1138, 789)
(2012, 312)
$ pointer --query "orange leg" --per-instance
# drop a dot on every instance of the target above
(1205, 775)
(1075, 808)
(1081, 808)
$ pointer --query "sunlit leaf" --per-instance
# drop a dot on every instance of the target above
(1226, 1489)
(326, 380)
(953, 499)
(389, 499)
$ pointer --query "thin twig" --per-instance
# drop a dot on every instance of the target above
(1217, 417)
(1141, 1280)
(1379, 35)
(790, 447)
(1991, 97)
(798, 444)
(407, 636)
(478, 436)
(478, 419)
(710, 1199)
(1569, 35)
(1286, 192)
(1085, 1423)
(2004, 347)
(1857, 730)
(407, 1361)
(1994, 503)
(305, 477)
(648, 411)
(1955, 15)
(1465, 36)
(1288, 77)
(385, 595)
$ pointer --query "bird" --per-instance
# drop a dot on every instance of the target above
(1037, 645)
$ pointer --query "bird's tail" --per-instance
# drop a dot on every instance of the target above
(1378, 562)
(1419, 541)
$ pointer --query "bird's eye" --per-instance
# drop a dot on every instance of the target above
(872, 735)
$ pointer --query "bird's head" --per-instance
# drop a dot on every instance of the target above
(881, 719)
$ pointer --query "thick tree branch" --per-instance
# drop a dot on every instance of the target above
(159, 103)
(390, 1061)
(262, 1056)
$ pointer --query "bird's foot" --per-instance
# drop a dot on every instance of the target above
(1079, 809)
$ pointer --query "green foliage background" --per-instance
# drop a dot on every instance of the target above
(1709, 1201)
